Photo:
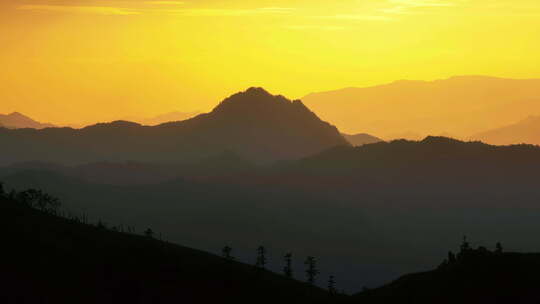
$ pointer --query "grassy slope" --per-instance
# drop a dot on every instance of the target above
(48, 259)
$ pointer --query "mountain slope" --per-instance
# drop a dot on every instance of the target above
(460, 106)
(525, 131)
(253, 124)
(17, 120)
(49, 259)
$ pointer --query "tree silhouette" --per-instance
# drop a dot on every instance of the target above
(332, 285)
(38, 199)
(498, 248)
(2, 191)
(451, 258)
(261, 257)
(311, 270)
(288, 265)
(226, 252)
(149, 233)
(465, 248)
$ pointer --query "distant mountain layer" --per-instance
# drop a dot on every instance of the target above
(460, 106)
(163, 118)
(253, 124)
(525, 131)
(17, 120)
(361, 139)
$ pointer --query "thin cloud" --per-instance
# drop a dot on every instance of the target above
(356, 17)
(157, 2)
(412, 6)
(208, 12)
(315, 27)
(100, 10)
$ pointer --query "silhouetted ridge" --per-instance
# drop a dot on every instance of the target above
(113, 124)
(254, 124)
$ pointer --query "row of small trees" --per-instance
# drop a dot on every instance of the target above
(310, 262)
(466, 251)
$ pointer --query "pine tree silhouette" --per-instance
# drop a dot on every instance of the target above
(288, 265)
(451, 258)
(465, 248)
(261, 257)
(311, 270)
(2, 191)
(332, 285)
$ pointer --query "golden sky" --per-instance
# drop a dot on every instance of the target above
(72, 61)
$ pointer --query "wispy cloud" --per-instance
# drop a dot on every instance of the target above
(356, 17)
(209, 12)
(101, 10)
(157, 2)
(410, 6)
(315, 27)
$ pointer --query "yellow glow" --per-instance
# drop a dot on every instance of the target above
(87, 60)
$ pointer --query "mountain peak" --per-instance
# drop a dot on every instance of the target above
(252, 100)
(17, 115)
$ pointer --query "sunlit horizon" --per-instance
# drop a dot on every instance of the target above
(78, 62)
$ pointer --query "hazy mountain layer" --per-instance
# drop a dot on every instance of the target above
(361, 139)
(525, 131)
(458, 106)
(370, 213)
(19, 121)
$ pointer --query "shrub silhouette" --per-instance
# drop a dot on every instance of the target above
(149, 233)
(226, 253)
(498, 248)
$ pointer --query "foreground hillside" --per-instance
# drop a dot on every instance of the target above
(481, 277)
(48, 259)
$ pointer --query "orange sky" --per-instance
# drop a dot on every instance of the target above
(96, 60)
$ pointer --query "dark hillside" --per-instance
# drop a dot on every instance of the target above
(480, 277)
(49, 259)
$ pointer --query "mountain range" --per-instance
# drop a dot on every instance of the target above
(254, 124)
(459, 106)
(17, 120)
(379, 210)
